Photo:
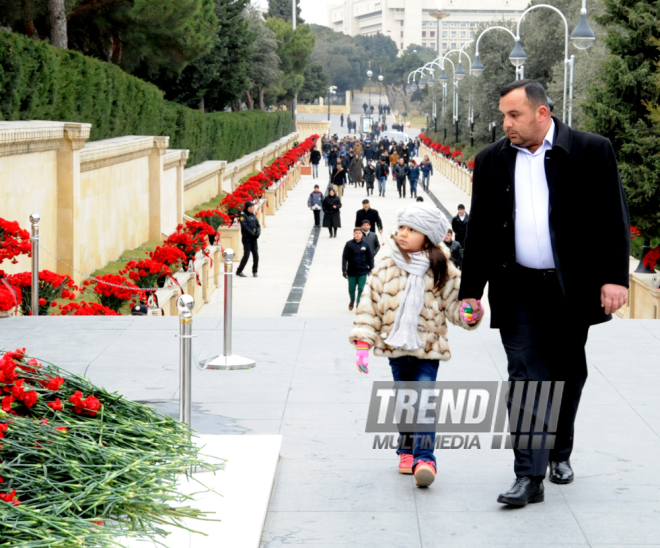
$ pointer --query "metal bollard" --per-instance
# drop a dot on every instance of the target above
(228, 360)
(185, 304)
(34, 219)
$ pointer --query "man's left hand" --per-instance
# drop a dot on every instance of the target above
(613, 297)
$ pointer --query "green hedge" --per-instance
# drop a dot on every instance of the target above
(39, 82)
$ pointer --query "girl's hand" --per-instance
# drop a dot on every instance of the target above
(362, 356)
(477, 311)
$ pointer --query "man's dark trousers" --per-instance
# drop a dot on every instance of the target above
(401, 187)
(545, 342)
(249, 246)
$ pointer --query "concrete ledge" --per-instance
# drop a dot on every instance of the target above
(21, 137)
(108, 152)
(239, 498)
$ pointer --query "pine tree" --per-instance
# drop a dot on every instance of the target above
(621, 103)
(283, 9)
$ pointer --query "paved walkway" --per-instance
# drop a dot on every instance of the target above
(332, 488)
(283, 243)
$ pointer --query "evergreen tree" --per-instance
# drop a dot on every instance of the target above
(283, 9)
(316, 83)
(623, 101)
(220, 77)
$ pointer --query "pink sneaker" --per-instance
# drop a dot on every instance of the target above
(424, 473)
(406, 463)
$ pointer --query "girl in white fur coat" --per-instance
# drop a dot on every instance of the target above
(403, 313)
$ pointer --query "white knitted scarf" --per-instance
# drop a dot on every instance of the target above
(404, 333)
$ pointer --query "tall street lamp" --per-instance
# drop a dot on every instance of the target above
(369, 75)
(583, 37)
(438, 15)
(380, 87)
(331, 91)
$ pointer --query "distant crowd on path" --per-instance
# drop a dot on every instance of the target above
(350, 161)
(382, 109)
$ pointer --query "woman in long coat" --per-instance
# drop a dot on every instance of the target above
(331, 216)
(356, 171)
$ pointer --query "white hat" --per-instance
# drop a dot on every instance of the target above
(425, 218)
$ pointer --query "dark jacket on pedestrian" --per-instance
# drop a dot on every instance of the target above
(331, 217)
(357, 259)
(346, 161)
(400, 171)
(382, 170)
(460, 228)
(456, 252)
(405, 154)
(369, 175)
(332, 158)
(315, 200)
(581, 169)
(356, 170)
(315, 157)
(250, 227)
(372, 239)
(338, 177)
(413, 173)
(370, 215)
(426, 167)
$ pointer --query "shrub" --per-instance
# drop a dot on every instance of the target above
(40, 82)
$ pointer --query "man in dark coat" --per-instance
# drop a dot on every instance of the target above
(455, 249)
(315, 159)
(370, 237)
(250, 232)
(356, 263)
(521, 241)
(368, 214)
(400, 171)
(459, 224)
(332, 159)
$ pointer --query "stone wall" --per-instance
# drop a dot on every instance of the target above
(208, 179)
(308, 128)
(100, 198)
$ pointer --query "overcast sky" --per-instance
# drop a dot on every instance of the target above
(313, 11)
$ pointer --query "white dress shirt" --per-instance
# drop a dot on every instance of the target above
(532, 206)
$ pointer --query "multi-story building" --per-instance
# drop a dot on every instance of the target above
(412, 22)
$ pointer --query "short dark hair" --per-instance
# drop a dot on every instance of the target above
(461, 206)
(535, 92)
(450, 231)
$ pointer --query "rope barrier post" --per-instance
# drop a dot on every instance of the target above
(35, 218)
(228, 360)
(185, 304)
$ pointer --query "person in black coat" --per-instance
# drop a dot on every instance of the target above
(455, 249)
(315, 159)
(356, 263)
(250, 232)
(368, 214)
(331, 215)
(543, 297)
(459, 224)
(332, 159)
(369, 177)
(338, 180)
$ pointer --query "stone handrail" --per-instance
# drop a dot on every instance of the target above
(460, 176)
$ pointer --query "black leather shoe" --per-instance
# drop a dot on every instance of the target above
(255, 275)
(561, 472)
(523, 491)
(241, 275)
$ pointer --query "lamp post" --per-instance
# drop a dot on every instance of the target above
(331, 92)
(380, 88)
(438, 15)
(583, 37)
(369, 75)
(477, 67)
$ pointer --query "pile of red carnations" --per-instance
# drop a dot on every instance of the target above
(14, 241)
(52, 286)
(80, 466)
(446, 151)
(255, 187)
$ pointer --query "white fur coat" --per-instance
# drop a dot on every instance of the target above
(380, 301)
